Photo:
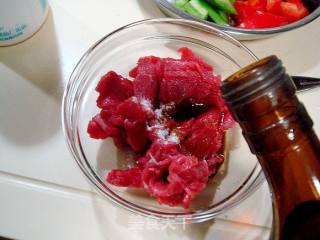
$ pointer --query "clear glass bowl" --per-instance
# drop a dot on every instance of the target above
(119, 51)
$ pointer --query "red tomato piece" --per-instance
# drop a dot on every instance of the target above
(293, 12)
(244, 9)
(273, 6)
(248, 24)
(298, 2)
(263, 20)
(258, 4)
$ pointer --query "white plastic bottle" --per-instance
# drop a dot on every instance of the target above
(20, 19)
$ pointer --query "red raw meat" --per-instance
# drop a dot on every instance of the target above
(214, 163)
(132, 110)
(206, 135)
(191, 173)
(113, 87)
(183, 129)
(134, 122)
(184, 178)
(100, 128)
(188, 55)
(146, 78)
(186, 80)
(157, 154)
(173, 200)
(95, 131)
(173, 117)
(146, 86)
(125, 178)
(179, 81)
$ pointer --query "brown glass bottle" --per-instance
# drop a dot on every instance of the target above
(279, 131)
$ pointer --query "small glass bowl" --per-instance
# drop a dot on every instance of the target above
(119, 51)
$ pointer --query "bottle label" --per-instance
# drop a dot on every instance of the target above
(13, 33)
(43, 4)
(20, 19)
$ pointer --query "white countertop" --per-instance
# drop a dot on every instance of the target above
(42, 192)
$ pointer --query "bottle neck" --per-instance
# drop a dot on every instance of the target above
(278, 129)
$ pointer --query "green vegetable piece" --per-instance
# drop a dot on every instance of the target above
(223, 15)
(232, 1)
(216, 17)
(180, 4)
(225, 5)
(197, 9)
(201, 9)
(214, 14)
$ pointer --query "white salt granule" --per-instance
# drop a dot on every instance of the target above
(158, 113)
(168, 106)
(152, 160)
(134, 99)
(146, 104)
(173, 138)
(155, 126)
(162, 133)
